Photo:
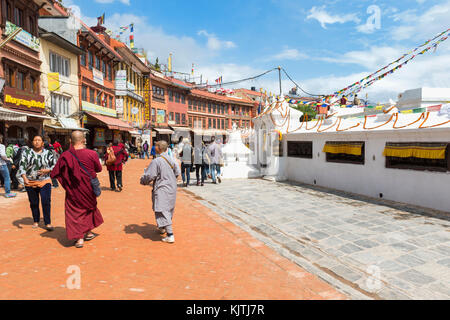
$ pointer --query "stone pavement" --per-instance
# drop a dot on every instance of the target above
(368, 249)
(211, 259)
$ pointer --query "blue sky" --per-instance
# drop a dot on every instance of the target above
(324, 45)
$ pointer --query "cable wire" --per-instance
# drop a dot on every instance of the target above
(316, 95)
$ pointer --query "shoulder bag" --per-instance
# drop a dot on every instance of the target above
(94, 181)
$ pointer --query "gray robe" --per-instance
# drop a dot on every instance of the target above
(164, 192)
(215, 153)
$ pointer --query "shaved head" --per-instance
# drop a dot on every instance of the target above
(162, 146)
(77, 137)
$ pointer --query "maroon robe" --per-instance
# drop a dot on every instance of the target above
(121, 157)
(82, 214)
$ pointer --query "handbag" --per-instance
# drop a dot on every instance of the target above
(95, 183)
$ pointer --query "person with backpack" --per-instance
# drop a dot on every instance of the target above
(115, 157)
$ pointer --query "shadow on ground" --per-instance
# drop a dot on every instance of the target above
(28, 221)
(59, 234)
(147, 231)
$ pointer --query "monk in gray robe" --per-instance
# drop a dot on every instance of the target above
(163, 171)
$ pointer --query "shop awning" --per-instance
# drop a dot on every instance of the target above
(163, 130)
(416, 150)
(20, 116)
(353, 148)
(112, 123)
(181, 128)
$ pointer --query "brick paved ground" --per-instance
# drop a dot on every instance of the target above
(364, 247)
(211, 259)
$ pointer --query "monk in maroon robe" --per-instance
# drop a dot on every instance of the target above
(82, 214)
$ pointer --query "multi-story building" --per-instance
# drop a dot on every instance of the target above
(97, 89)
(22, 109)
(59, 80)
(159, 85)
(177, 107)
(129, 82)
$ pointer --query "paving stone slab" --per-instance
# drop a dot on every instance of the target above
(416, 277)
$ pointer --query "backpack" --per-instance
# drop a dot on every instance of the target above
(111, 157)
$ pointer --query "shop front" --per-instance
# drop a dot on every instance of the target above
(22, 115)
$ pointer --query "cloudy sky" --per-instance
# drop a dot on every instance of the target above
(324, 45)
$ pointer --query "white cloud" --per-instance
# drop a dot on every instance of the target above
(422, 25)
(325, 18)
(127, 2)
(370, 59)
(288, 54)
(214, 43)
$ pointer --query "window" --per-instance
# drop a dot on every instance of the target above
(91, 60)
(209, 107)
(153, 115)
(83, 57)
(170, 95)
(431, 156)
(84, 93)
(300, 149)
(214, 108)
(190, 104)
(97, 63)
(209, 123)
(223, 124)
(170, 116)
(214, 124)
(104, 69)
(111, 102)
(34, 85)
(109, 72)
(190, 122)
(183, 118)
(177, 97)
(177, 118)
(20, 80)
(345, 151)
(91, 95)
(60, 104)
(59, 64)
(195, 105)
(183, 101)
(204, 123)
(159, 92)
(99, 98)
(31, 25)
(18, 17)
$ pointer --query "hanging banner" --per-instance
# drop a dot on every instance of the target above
(53, 81)
(99, 136)
(147, 99)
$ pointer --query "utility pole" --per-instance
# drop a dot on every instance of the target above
(279, 78)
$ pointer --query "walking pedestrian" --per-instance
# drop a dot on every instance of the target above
(48, 145)
(4, 172)
(186, 161)
(35, 167)
(201, 160)
(215, 154)
(163, 172)
(153, 152)
(74, 170)
(145, 149)
(115, 156)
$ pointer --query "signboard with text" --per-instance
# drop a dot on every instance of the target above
(147, 99)
(27, 101)
(97, 76)
(25, 38)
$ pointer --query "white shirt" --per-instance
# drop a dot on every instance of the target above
(2, 155)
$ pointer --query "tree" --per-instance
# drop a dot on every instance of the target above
(307, 110)
(157, 66)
